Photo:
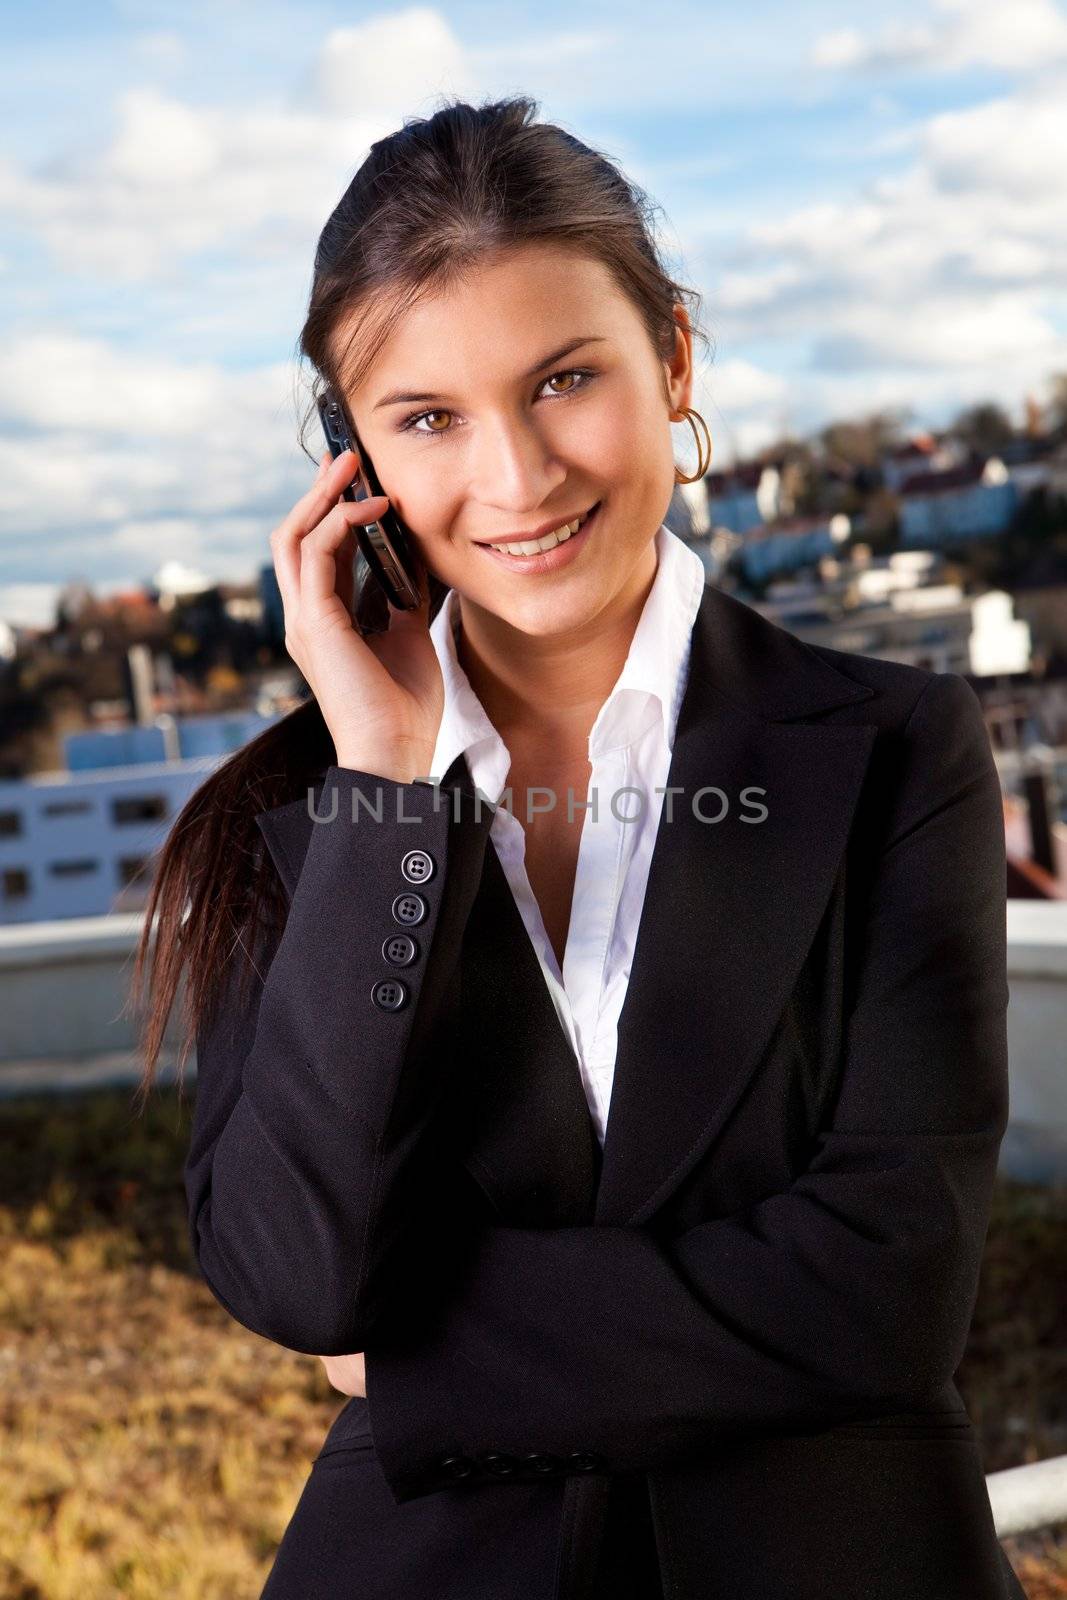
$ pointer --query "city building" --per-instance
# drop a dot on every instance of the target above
(973, 501)
(80, 843)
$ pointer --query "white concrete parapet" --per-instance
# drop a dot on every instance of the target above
(63, 987)
(1025, 1498)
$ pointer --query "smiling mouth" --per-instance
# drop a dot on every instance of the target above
(517, 549)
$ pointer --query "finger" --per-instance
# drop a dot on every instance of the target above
(320, 551)
(325, 491)
(291, 557)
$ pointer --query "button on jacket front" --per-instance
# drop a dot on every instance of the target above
(752, 1299)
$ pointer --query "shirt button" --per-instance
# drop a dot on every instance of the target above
(410, 909)
(537, 1462)
(499, 1464)
(418, 866)
(389, 995)
(585, 1461)
(400, 949)
(456, 1467)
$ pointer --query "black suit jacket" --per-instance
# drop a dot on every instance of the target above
(757, 1299)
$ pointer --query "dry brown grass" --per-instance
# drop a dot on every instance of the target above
(1014, 1375)
(153, 1448)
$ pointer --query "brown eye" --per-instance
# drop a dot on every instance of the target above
(557, 375)
(414, 424)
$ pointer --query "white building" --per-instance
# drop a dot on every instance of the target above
(80, 844)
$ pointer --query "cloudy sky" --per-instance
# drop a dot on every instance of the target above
(871, 200)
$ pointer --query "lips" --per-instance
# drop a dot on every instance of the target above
(511, 545)
(546, 561)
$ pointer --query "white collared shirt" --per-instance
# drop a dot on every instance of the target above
(630, 745)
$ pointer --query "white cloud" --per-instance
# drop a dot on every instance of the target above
(740, 291)
(741, 386)
(65, 381)
(970, 235)
(1013, 148)
(388, 64)
(177, 179)
(113, 462)
(1022, 35)
(952, 334)
(934, 286)
(225, 548)
(846, 48)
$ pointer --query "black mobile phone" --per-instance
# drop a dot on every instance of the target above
(386, 563)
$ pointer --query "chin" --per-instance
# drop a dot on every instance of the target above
(552, 616)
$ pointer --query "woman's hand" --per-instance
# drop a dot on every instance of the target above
(346, 1373)
(382, 696)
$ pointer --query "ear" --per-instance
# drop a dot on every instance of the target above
(679, 370)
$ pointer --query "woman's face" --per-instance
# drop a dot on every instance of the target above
(508, 434)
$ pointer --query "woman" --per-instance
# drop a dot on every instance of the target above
(703, 1346)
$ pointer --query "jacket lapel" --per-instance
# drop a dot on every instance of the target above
(731, 907)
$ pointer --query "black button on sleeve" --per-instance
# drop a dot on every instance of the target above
(410, 909)
(540, 1463)
(389, 994)
(418, 866)
(456, 1467)
(400, 949)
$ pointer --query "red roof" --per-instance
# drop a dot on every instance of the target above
(920, 444)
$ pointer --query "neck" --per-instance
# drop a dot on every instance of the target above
(545, 693)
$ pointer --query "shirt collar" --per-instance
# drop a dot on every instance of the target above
(648, 689)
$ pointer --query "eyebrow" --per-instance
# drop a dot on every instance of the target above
(408, 397)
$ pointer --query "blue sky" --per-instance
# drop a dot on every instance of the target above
(870, 199)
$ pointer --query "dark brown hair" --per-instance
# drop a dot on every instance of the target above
(434, 199)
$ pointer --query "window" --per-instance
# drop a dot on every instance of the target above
(14, 883)
(131, 868)
(66, 808)
(139, 808)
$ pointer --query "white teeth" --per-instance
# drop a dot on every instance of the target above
(532, 547)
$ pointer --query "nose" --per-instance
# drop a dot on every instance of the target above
(515, 468)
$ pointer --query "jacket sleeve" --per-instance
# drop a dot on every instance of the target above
(848, 1295)
(313, 1103)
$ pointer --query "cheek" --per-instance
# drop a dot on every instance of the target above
(428, 509)
(623, 441)
(608, 457)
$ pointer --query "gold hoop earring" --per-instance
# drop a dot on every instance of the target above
(704, 462)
